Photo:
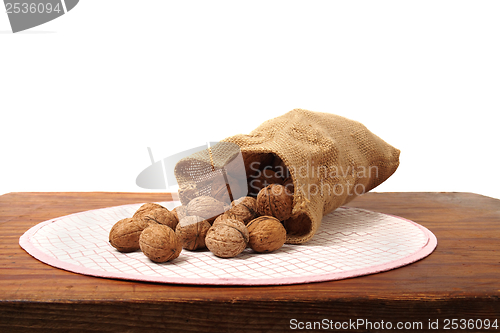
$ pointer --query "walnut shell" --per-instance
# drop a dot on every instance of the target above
(187, 192)
(159, 216)
(227, 238)
(160, 243)
(244, 209)
(179, 212)
(267, 234)
(191, 231)
(124, 235)
(205, 207)
(146, 208)
(222, 217)
(225, 216)
(274, 200)
(221, 190)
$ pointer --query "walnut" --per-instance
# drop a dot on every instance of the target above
(226, 215)
(227, 238)
(267, 234)
(160, 243)
(220, 189)
(205, 207)
(124, 235)
(274, 200)
(223, 191)
(191, 231)
(146, 208)
(179, 212)
(187, 192)
(244, 209)
(157, 215)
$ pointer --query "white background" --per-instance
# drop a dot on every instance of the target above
(83, 96)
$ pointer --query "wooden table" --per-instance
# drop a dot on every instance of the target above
(460, 280)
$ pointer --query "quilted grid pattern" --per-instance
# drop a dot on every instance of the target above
(350, 242)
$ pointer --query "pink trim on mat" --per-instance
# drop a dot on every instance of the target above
(26, 243)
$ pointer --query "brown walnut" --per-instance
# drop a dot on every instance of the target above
(159, 216)
(274, 200)
(124, 235)
(244, 209)
(160, 243)
(187, 192)
(146, 208)
(205, 207)
(223, 191)
(191, 231)
(179, 212)
(227, 238)
(226, 215)
(267, 234)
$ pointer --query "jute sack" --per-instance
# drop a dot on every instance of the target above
(331, 160)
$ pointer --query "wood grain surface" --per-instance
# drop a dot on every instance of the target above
(459, 280)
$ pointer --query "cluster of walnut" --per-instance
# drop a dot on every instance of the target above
(150, 229)
(226, 229)
(247, 222)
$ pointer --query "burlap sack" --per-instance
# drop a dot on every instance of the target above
(331, 160)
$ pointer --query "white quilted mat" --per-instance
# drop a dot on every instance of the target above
(350, 242)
